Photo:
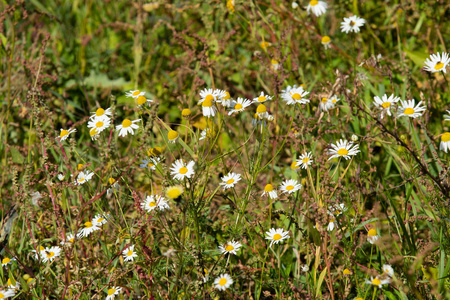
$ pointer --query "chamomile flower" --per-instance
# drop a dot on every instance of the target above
(7, 261)
(99, 220)
(113, 292)
(186, 112)
(276, 235)
(65, 133)
(229, 180)
(290, 186)
(343, 149)
(114, 186)
(7, 293)
(209, 96)
(372, 236)
(84, 177)
(38, 253)
(94, 134)
(304, 160)
(347, 272)
(385, 104)
(101, 113)
(88, 228)
(305, 268)
(354, 138)
(330, 226)
(172, 136)
(223, 282)
(222, 95)
(134, 94)
(154, 201)
(377, 281)
(142, 100)
(275, 64)
(206, 134)
(317, 7)
(129, 254)
(70, 238)
(388, 270)
(295, 95)
(352, 24)
(127, 127)
(173, 192)
(225, 98)
(99, 124)
(445, 142)
(262, 98)
(326, 41)
(230, 247)
(51, 253)
(150, 163)
(337, 209)
(13, 284)
(181, 170)
(271, 191)
(436, 62)
(410, 109)
(239, 105)
(61, 176)
(261, 111)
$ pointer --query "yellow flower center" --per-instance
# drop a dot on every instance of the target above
(88, 224)
(99, 112)
(111, 180)
(9, 282)
(276, 236)
(100, 220)
(41, 248)
(152, 204)
(261, 109)
(141, 100)
(273, 62)
(347, 272)
(209, 98)
(230, 181)
(255, 116)
(438, 66)
(63, 133)
(352, 23)
(1, 296)
(129, 253)
(229, 248)
(5, 260)
(222, 281)
(261, 98)
(93, 132)
(238, 106)
(290, 187)
(71, 240)
(342, 152)
(50, 254)
(326, 39)
(305, 160)
(154, 151)
(376, 281)
(324, 100)
(313, 2)
(294, 165)
(81, 179)
(268, 188)
(227, 96)
(126, 123)
(99, 124)
(150, 165)
(386, 104)
(172, 135)
(207, 102)
(372, 232)
(174, 193)
(445, 137)
(80, 166)
(135, 93)
(296, 96)
(409, 111)
(183, 170)
(186, 112)
(111, 291)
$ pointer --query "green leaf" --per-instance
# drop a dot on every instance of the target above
(319, 282)
(417, 57)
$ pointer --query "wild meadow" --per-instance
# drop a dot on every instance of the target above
(224, 149)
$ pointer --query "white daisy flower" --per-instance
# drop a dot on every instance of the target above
(223, 282)
(230, 247)
(84, 177)
(372, 236)
(262, 98)
(328, 103)
(7, 293)
(134, 94)
(343, 149)
(181, 170)
(305, 160)
(172, 136)
(445, 142)
(11, 285)
(317, 7)
(326, 41)
(436, 62)
(290, 186)
(142, 100)
(305, 268)
(388, 270)
(385, 103)
(239, 105)
(65, 134)
(295, 95)
(87, 229)
(70, 238)
(101, 113)
(114, 186)
(269, 190)
(352, 24)
(150, 163)
(261, 111)
(337, 209)
(154, 201)
(99, 220)
(409, 109)
(377, 281)
(7, 261)
(112, 292)
(129, 254)
(276, 235)
(354, 138)
(230, 180)
(127, 126)
(61, 177)
(209, 96)
(39, 253)
(51, 253)
(99, 124)
(224, 98)
(330, 226)
(206, 133)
